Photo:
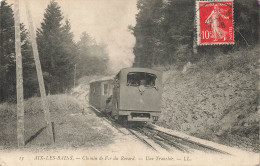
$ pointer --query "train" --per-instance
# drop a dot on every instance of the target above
(133, 95)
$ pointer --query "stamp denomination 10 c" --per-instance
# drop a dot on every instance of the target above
(215, 22)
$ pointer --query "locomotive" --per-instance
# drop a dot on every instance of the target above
(133, 95)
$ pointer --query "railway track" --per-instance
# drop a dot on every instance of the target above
(165, 143)
(158, 140)
(105, 118)
(109, 121)
(127, 131)
(181, 143)
(143, 139)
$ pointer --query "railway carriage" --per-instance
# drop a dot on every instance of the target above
(99, 93)
(134, 95)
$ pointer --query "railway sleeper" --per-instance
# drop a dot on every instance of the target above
(191, 144)
(156, 139)
(173, 144)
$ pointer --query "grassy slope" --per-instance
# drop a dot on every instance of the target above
(215, 99)
(74, 127)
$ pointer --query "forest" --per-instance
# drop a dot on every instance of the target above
(58, 51)
(164, 32)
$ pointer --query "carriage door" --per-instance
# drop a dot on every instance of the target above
(115, 101)
(105, 89)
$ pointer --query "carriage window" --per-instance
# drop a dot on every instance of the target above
(105, 89)
(116, 81)
(141, 78)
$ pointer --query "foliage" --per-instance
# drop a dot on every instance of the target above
(58, 54)
(7, 57)
(56, 50)
(92, 58)
(165, 29)
(215, 99)
(74, 125)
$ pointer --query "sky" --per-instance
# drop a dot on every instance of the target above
(105, 20)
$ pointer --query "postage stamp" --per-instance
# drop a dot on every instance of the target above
(215, 22)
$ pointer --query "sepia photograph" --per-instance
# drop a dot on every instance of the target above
(129, 82)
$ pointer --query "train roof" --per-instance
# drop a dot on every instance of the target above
(128, 69)
(103, 79)
(138, 69)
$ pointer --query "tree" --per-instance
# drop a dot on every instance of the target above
(92, 57)
(69, 57)
(7, 57)
(56, 49)
(147, 32)
(164, 31)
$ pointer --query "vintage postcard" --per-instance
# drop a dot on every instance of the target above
(129, 82)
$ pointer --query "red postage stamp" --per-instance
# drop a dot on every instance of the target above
(215, 22)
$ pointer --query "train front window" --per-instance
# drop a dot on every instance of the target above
(105, 89)
(141, 78)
